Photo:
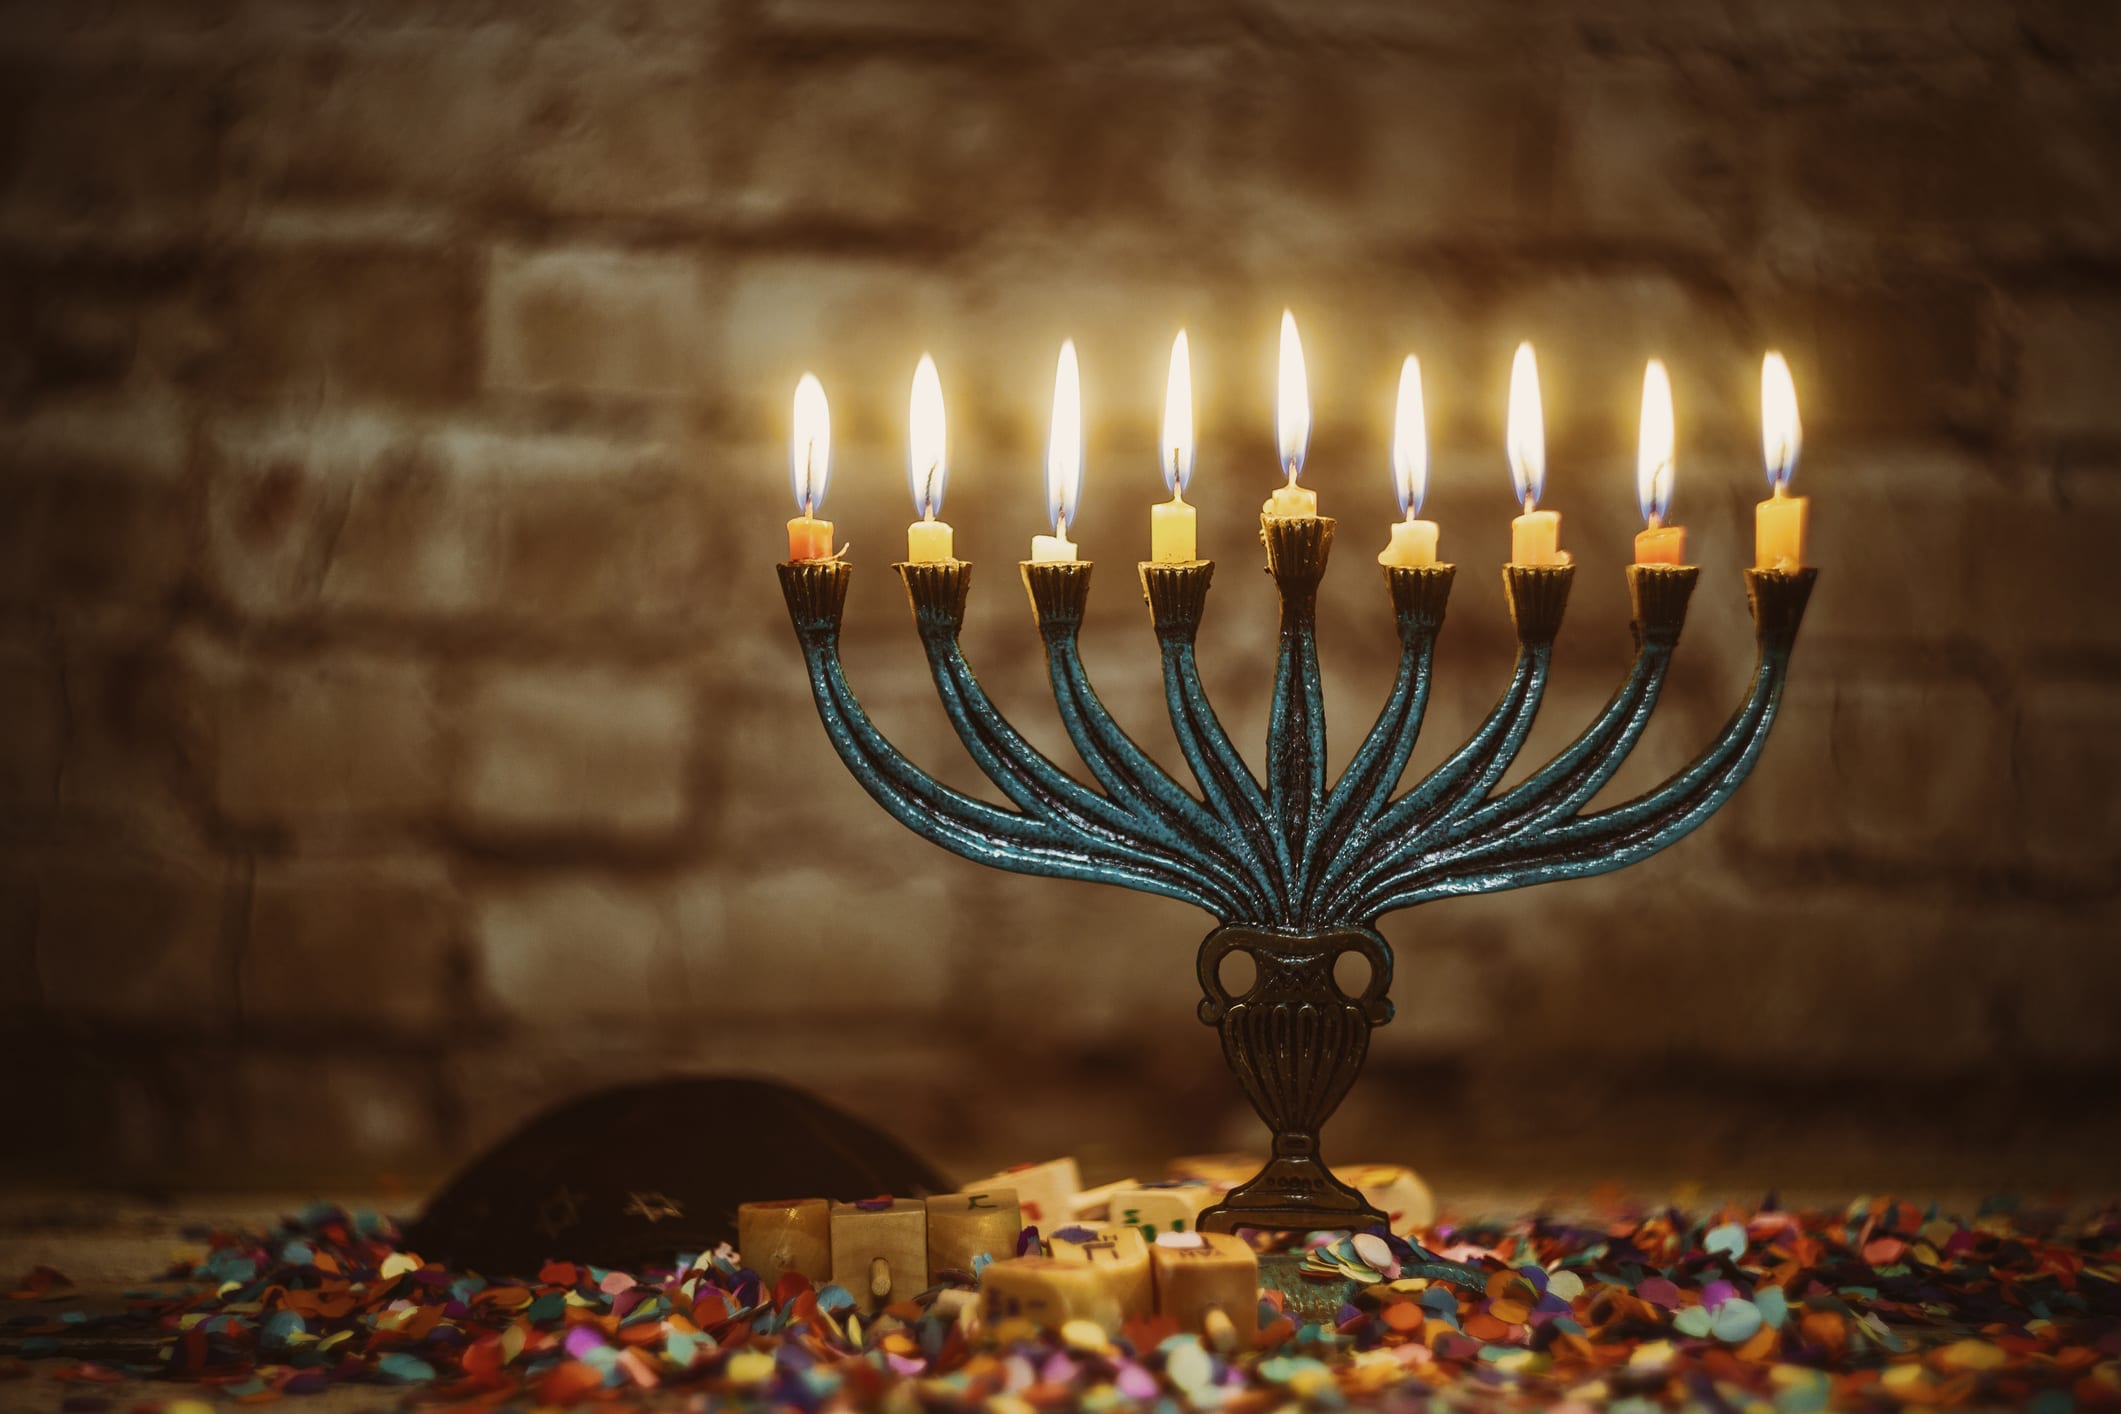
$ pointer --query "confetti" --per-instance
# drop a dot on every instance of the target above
(1876, 1305)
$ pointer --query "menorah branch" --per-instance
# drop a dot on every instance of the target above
(1177, 594)
(1419, 596)
(1059, 593)
(1584, 845)
(816, 592)
(938, 592)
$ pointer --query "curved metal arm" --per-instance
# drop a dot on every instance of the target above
(1577, 773)
(1156, 802)
(1177, 594)
(1538, 597)
(1418, 600)
(1610, 839)
(969, 828)
(1016, 767)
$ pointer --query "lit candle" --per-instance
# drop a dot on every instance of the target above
(1292, 426)
(809, 458)
(1171, 530)
(1661, 544)
(1779, 524)
(927, 540)
(1064, 460)
(1535, 536)
(1413, 541)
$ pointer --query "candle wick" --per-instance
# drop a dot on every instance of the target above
(1656, 520)
(1531, 503)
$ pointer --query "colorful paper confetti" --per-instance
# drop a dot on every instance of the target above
(1883, 1305)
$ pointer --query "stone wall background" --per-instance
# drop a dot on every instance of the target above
(399, 727)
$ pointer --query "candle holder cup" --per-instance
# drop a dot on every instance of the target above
(1295, 870)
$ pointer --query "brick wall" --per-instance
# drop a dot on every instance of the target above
(399, 727)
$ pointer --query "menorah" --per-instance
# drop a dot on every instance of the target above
(1296, 872)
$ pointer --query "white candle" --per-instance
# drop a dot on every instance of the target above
(1292, 425)
(1064, 460)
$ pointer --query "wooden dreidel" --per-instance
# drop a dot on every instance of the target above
(880, 1250)
(1158, 1208)
(964, 1226)
(792, 1235)
(1394, 1190)
(1199, 1272)
(1045, 1193)
(1090, 1204)
(1046, 1292)
(1120, 1255)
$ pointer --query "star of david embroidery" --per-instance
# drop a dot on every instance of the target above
(654, 1207)
(559, 1212)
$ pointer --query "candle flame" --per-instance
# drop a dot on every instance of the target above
(1410, 441)
(1781, 431)
(1653, 455)
(1178, 419)
(810, 454)
(926, 466)
(1064, 448)
(1526, 440)
(1292, 404)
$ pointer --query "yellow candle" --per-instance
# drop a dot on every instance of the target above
(1780, 532)
(1535, 539)
(1052, 549)
(1655, 466)
(1292, 426)
(1535, 536)
(1172, 539)
(1779, 527)
(928, 539)
(1171, 533)
(1413, 545)
(809, 459)
(1413, 541)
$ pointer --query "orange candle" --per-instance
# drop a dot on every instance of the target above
(1779, 523)
(1661, 544)
(809, 459)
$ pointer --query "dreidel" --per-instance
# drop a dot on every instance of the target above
(791, 1235)
(1158, 1208)
(965, 1226)
(1046, 1292)
(1120, 1257)
(880, 1250)
(1044, 1192)
(1394, 1190)
(1199, 1272)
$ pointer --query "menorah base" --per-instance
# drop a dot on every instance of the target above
(1292, 1193)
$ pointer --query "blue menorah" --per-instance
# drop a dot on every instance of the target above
(1295, 869)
